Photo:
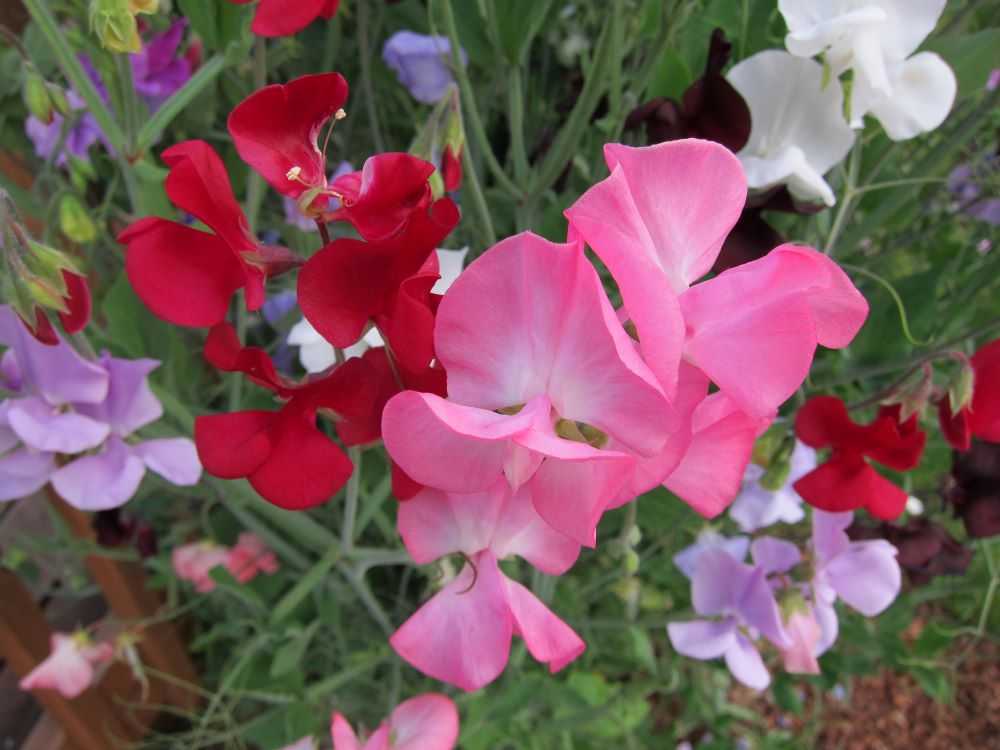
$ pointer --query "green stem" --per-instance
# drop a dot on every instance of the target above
(478, 198)
(475, 122)
(351, 499)
(130, 104)
(255, 183)
(903, 320)
(357, 582)
(364, 44)
(515, 114)
(172, 107)
(844, 210)
(316, 574)
(75, 73)
(991, 590)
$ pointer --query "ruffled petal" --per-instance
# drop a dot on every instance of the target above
(548, 639)
(104, 480)
(702, 639)
(47, 428)
(427, 722)
(174, 459)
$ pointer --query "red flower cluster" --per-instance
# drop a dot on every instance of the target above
(288, 17)
(981, 416)
(847, 480)
(188, 277)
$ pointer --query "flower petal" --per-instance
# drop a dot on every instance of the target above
(745, 664)
(49, 429)
(174, 459)
(104, 480)
(23, 472)
(427, 722)
(548, 639)
(866, 576)
(702, 639)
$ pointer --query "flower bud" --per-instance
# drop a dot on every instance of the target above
(143, 6)
(113, 21)
(961, 387)
(913, 397)
(50, 263)
(36, 95)
(59, 99)
(74, 220)
(631, 562)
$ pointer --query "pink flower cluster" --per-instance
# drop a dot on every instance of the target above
(245, 561)
(560, 407)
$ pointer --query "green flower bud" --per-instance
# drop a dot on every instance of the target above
(75, 221)
(59, 100)
(43, 292)
(114, 24)
(631, 562)
(36, 95)
(50, 263)
(960, 389)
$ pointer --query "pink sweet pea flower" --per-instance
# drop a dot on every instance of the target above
(462, 635)
(250, 557)
(427, 722)
(658, 223)
(193, 562)
(70, 667)
(306, 743)
(804, 632)
(544, 387)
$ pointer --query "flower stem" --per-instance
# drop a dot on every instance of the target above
(364, 42)
(351, 499)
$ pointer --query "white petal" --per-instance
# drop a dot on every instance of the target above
(303, 334)
(923, 91)
(451, 263)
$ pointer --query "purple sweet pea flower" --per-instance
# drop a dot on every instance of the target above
(687, 559)
(965, 182)
(757, 507)
(865, 574)
(421, 63)
(158, 71)
(742, 596)
(65, 405)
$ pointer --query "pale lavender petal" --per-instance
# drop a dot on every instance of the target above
(23, 472)
(758, 608)
(130, 403)
(826, 616)
(10, 373)
(757, 508)
(57, 373)
(829, 534)
(719, 582)
(8, 438)
(703, 639)
(105, 480)
(687, 558)
(802, 461)
(422, 63)
(774, 555)
(746, 665)
(174, 459)
(48, 428)
(866, 576)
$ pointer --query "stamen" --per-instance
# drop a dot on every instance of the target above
(293, 174)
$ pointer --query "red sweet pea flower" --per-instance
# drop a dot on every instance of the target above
(283, 454)
(847, 481)
(380, 199)
(349, 283)
(276, 131)
(187, 276)
(981, 416)
(288, 17)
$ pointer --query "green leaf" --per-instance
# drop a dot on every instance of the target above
(642, 648)
(291, 654)
(972, 57)
(934, 682)
(671, 76)
(786, 694)
(932, 641)
(518, 21)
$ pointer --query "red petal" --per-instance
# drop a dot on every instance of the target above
(403, 487)
(235, 445)
(368, 427)
(823, 421)
(78, 302)
(283, 18)
(408, 324)
(848, 482)
(985, 416)
(451, 170)
(305, 468)
(275, 128)
(199, 184)
(224, 351)
(184, 276)
(42, 330)
(955, 427)
(898, 445)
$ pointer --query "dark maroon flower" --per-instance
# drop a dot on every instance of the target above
(926, 549)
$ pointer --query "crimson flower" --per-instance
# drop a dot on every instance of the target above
(288, 17)
(283, 454)
(847, 480)
(981, 416)
(77, 302)
(350, 282)
(276, 131)
(380, 199)
(187, 276)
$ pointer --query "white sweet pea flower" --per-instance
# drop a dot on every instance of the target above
(317, 354)
(875, 39)
(798, 131)
(757, 507)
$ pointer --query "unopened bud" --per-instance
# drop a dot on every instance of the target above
(961, 387)
(143, 6)
(45, 293)
(631, 562)
(913, 397)
(790, 602)
(36, 95)
(113, 21)
(50, 263)
(59, 99)
(75, 221)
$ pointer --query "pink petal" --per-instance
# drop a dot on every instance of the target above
(436, 523)
(104, 480)
(427, 722)
(548, 639)
(342, 734)
(65, 670)
(754, 328)
(710, 475)
(462, 635)
(548, 329)
(702, 639)
(521, 531)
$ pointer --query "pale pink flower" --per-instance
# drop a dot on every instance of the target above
(427, 722)
(193, 562)
(249, 558)
(463, 634)
(70, 667)
(804, 632)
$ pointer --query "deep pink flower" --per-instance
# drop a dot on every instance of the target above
(541, 379)
(288, 17)
(193, 562)
(249, 558)
(426, 722)
(463, 634)
(69, 668)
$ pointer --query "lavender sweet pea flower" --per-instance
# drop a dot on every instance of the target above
(421, 63)
(757, 507)
(865, 574)
(158, 71)
(687, 559)
(741, 596)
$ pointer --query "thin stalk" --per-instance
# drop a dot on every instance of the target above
(478, 198)
(844, 211)
(515, 116)
(315, 575)
(475, 122)
(364, 44)
(130, 104)
(367, 598)
(351, 499)
(255, 183)
(991, 590)
(168, 111)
